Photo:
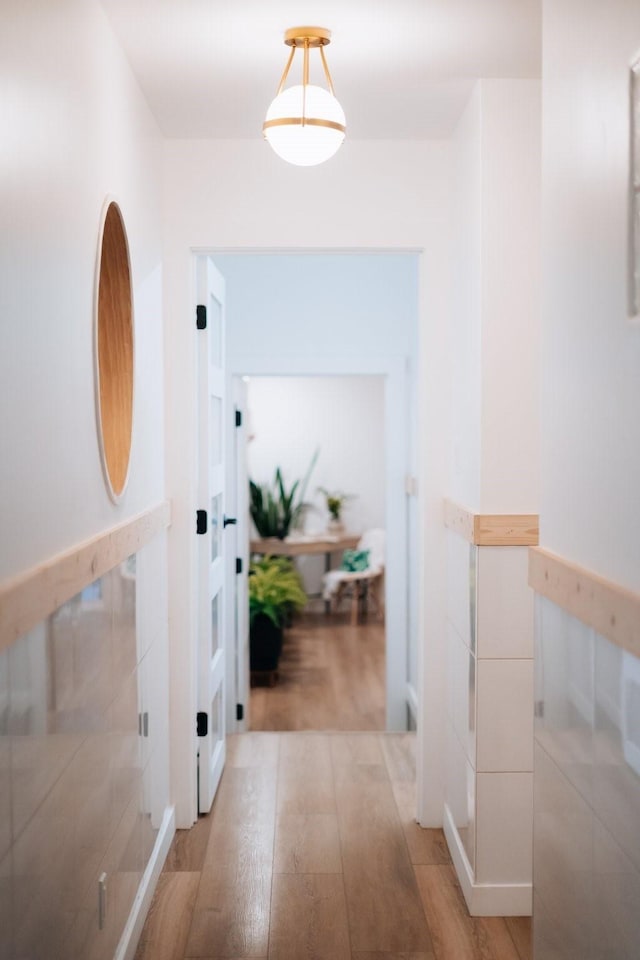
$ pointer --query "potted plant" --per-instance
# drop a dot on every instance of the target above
(275, 592)
(275, 511)
(335, 501)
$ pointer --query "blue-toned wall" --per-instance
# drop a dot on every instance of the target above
(346, 305)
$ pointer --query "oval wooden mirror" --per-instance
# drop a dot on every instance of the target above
(114, 351)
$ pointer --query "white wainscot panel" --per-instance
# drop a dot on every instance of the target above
(563, 865)
(460, 793)
(503, 837)
(461, 692)
(617, 745)
(565, 651)
(505, 603)
(461, 587)
(505, 715)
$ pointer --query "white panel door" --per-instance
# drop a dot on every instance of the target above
(210, 525)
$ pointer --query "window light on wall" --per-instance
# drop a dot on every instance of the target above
(305, 124)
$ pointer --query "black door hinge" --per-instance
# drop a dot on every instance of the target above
(239, 711)
(201, 521)
(202, 724)
(238, 418)
(201, 317)
(238, 564)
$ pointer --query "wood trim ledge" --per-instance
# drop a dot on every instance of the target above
(31, 597)
(492, 529)
(611, 610)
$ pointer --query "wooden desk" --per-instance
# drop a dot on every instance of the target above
(301, 546)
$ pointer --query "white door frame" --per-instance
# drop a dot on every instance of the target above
(180, 411)
(395, 435)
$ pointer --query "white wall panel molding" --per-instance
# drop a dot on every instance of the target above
(31, 597)
(492, 529)
(612, 610)
(485, 899)
(131, 935)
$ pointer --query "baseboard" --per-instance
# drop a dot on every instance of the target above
(133, 928)
(485, 899)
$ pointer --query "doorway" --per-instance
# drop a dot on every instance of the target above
(346, 314)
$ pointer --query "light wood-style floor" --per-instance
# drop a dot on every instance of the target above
(311, 853)
(331, 677)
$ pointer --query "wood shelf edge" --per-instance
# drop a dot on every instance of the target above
(32, 596)
(492, 529)
(610, 609)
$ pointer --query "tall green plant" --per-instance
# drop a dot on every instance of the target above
(276, 510)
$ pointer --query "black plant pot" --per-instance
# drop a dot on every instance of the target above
(265, 643)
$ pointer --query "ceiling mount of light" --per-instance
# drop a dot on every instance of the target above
(305, 124)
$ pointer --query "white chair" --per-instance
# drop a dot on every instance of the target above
(361, 584)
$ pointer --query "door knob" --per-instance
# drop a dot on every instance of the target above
(229, 521)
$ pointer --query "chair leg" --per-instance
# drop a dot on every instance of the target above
(355, 600)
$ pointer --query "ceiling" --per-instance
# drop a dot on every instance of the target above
(402, 69)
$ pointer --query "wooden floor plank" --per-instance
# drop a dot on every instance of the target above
(352, 749)
(188, 849)
(427, 846)
(385, 955)
(331, 677)
(166, 928)
(520, 930)
(307, 843)
(305, 774)
(455, 934)
(231, 915)
(383, 903)
(253, 750)
(399, 751)
(309, 918)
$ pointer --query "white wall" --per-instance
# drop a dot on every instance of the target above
(590, 354)
(343, 418)
(75, 128)
(586, 858)
(371, 195)
(466, 320)
(510, 447)
(495, 331)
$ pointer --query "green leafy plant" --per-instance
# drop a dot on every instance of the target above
(275, 510)
(335, 501)
(275, 589)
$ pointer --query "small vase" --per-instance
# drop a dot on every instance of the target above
(335, 526)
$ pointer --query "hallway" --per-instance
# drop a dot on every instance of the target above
(311, 851)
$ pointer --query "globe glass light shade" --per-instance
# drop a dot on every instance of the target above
(309, 143)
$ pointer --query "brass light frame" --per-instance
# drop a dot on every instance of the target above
(306, 39)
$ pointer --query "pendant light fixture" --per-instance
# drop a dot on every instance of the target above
(305, 124)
